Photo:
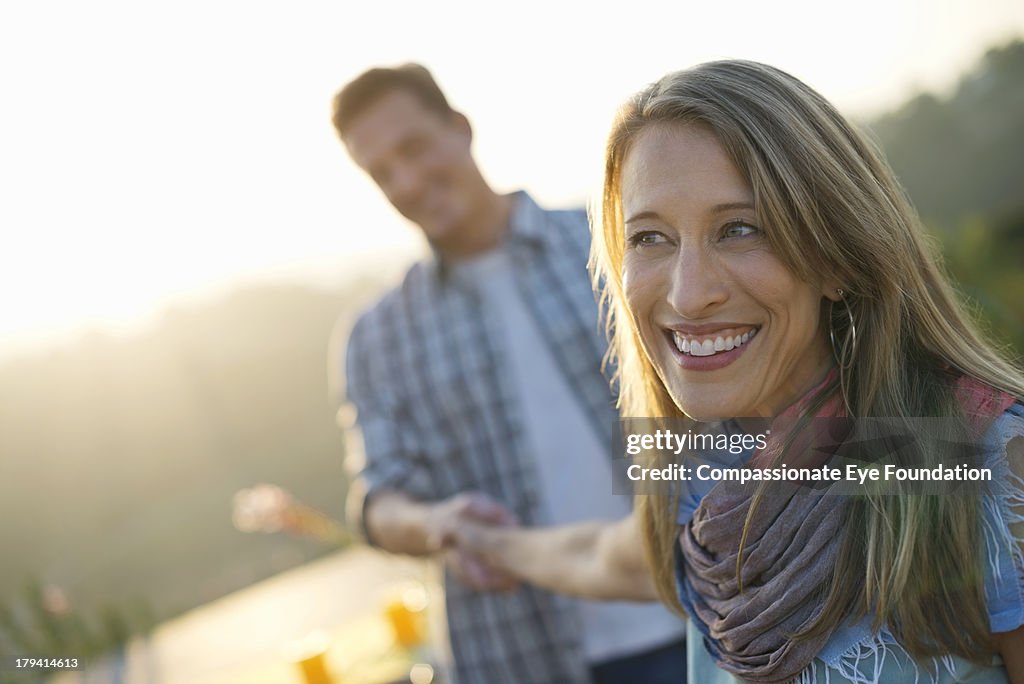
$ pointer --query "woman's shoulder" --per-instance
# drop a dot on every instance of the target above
(1007, 426)
(1003, 521)
(1003, 447)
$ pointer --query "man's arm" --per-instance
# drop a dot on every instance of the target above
(398, 524)
(383, 451)
(599, 560)
(388, 498)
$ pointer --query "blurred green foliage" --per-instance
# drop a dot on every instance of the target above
(31, 625)
(986, 258)
(961, 160)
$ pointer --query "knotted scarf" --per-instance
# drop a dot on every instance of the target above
(789, 551)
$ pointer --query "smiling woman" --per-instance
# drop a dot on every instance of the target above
(761, 263)
(732, 331)
(737, 200)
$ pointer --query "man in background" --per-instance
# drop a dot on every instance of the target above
(479, 393)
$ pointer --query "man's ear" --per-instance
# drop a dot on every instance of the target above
(461, 123)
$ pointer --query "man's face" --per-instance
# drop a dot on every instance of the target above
(421, 160)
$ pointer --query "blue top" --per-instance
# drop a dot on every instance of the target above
(854, 653)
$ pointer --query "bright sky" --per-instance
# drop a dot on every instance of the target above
(155, 150)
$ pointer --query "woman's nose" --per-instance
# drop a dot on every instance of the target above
(698, 284)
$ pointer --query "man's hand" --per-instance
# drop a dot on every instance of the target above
(444, 523)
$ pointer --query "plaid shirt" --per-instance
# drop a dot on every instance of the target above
(438, 414)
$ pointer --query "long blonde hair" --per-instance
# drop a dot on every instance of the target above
(833, 206)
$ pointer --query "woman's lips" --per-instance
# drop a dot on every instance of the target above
(711, 350)
(718, 341)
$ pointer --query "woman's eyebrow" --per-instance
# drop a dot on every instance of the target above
(731, 206)
(642, 215)
(716, 209)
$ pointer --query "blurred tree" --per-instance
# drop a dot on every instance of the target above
(961, 156)
(960, 159)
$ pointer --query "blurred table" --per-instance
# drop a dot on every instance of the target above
(251, 635)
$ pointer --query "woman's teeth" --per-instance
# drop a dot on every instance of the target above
(709, 346)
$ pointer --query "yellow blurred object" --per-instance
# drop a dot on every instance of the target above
(406, 615)
(405, 623)
(310, 653)
(314, 670)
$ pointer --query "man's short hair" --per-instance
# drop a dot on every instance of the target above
(373, 84)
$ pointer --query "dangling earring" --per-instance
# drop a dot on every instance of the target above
(844, 354)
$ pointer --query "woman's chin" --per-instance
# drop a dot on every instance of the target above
(705, 414)
(704, 411)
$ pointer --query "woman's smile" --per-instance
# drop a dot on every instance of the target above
(711, 350)
(730, 329)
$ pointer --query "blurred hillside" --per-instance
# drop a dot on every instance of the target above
(961, 160)
(962, 156)
(119, 455)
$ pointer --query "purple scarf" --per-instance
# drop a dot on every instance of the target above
(789, 553)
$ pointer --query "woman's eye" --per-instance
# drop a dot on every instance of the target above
(646, 238)
(737, 230)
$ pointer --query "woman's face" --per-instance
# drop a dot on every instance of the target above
(731, 331)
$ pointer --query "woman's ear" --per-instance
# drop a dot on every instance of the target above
(831, 289)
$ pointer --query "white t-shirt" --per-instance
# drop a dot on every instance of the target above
(574, 469)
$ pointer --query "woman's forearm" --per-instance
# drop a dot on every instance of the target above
(599, 560)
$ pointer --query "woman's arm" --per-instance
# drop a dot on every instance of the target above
(1010, 646)
(599, 560)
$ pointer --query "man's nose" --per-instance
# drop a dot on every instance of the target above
(698, 284)
(405, 185)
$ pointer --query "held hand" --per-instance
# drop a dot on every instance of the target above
(477, 574)
(446, 524)
(486, 542)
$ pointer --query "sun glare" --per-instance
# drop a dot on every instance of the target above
(155, 151)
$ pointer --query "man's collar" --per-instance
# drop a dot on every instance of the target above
(527, 220)
(525, 225)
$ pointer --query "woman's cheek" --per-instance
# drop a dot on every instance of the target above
(760, 272)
